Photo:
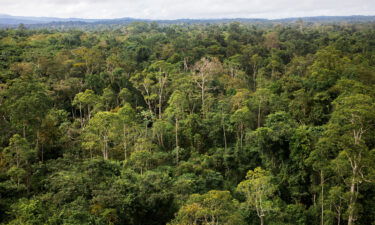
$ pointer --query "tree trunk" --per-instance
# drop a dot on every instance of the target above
(261, 220)
(322, 199)
(177, 147)
(88, 111)
(202, 93)
(161, 83)
(241, 134)
(105, 149)
(254, 78)
(160, 99)
(125, 142)
(42, 153)
(259, 112)
(24, 130)
(18, 160)
(225, 137)
(351, 203)
(80, 114)
(185, 64)
(125, 151)
(176, 132)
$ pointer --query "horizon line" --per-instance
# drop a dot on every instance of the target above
(187, 18)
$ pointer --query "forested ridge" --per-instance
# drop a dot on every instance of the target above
(151, 124)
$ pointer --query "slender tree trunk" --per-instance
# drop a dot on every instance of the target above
(225, 137)
(88, 112)
(241, 135)
(176, 132)
(185, 64)
(177, 147)
(125, 151)
(73, 114)
(162, 81)
(254, 78)
(261, 220)
(322, 199)
(160, 99)
(105, 151)
(351, 202)
(202, 95)
(42, 153)
(80, 114)
(18, 158)
(24, 130)
(162, 140)
(259, 112)
(125, 142)
(314, 199)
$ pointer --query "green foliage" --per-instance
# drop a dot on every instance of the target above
(188, 124)
(214, 207)
(258, 189)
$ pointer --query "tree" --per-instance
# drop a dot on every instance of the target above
(328, 66)
(101, 131)
(162, 72)
(176, 111)
(262, 97)
(90, 59)
(127, 119)
(28, 212)
(142, 156)
(153, 83)
(271, 40)
(351, 123)
(336, 198)
(272, 140)
(255, 61)
(302, 143)
(18, 156)
(241, 118)
(259, 189)
(214, 207)
(26, 103)
(203, 73)
(319, 160)
(108, 98)
(162, 130)
(85, 100)
(145, 82)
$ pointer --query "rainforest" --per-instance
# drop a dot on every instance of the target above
(229, 123)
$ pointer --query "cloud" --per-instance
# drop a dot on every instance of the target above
(172, 9)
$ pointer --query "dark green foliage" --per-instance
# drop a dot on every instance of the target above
(188, 124)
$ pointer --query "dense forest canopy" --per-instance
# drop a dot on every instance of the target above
(188, 125)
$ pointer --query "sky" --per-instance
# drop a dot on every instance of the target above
(174, 9)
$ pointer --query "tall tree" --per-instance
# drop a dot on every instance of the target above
(203, 73)
(177, 111)
(18, 155)
(101, 129)
(259, 189)
(352, 123)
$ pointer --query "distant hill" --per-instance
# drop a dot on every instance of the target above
(16, 20)
(330, 19)
(13, 21)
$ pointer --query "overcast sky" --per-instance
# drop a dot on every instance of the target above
(172, 9)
